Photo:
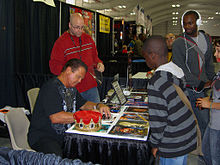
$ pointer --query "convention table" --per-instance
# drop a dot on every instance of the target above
(107, 151)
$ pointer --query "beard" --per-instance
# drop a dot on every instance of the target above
(191, 32)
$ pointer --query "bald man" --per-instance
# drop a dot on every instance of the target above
(75, 43)
(173, 128)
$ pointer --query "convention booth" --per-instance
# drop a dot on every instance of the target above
(31, 28)
(30, 36)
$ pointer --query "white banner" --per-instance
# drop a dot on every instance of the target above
(48, 2)
(139, 11)
(148, 25)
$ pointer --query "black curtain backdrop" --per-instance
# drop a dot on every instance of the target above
(7, 41)
(36, 31)
(28, 31)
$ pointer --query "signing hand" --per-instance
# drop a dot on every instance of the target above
(100, 67)
(104, 109)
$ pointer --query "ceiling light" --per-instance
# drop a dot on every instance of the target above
(175, 13)
(122, 7)
(175, 18)
(216, 24)
(177, 5)
(72, 2)
(99, 11)
(104, 10)
(88, 1)
(118, 18)
(210, 17)
(108, 10)
(132, 13)
(217, 12)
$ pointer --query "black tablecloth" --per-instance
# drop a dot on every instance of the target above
(107, 151)
(120, 67)
(139, 83)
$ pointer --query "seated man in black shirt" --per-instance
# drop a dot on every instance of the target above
(58, 99)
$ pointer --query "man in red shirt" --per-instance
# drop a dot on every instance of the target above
(75, 43)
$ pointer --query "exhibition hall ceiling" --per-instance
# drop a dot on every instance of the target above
(158, 10)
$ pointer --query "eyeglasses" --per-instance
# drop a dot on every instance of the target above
(170, 38)
(78, 27)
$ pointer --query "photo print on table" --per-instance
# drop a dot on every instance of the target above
(130, 128)
(134, 116)
(137, 109)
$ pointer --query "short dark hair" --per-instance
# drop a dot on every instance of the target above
(155, 44)
(192, 12)
(75, 64)
(142, 37)
(217, 42)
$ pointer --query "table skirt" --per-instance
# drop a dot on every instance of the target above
(108, 151)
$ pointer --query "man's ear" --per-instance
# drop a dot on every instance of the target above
(153, 56)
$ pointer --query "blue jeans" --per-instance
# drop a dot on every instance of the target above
(180, 160)
(211, 146)
(201, 115)
(91, 95)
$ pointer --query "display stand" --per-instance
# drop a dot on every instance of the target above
(129, 71)
(118, 92)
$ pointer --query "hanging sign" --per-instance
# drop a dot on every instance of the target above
(48, 2)
(104, 24)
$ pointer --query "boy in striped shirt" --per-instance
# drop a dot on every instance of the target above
(173, 128)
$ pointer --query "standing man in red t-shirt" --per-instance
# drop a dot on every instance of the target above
(75, 43)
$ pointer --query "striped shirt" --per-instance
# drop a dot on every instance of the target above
(173, 129)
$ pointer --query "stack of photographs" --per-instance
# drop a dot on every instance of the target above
(136, 104)
(132, 123)
(132, 129)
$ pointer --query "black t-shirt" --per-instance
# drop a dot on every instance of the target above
(53, 97)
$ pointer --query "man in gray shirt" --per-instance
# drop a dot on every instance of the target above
(192, 51)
